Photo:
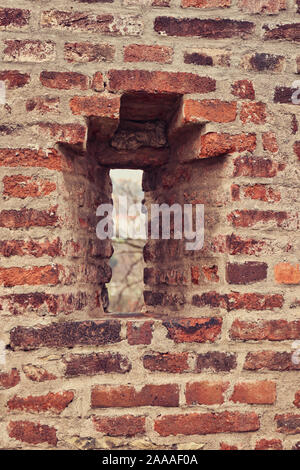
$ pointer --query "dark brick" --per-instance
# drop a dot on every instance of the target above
(67, 334)
(197, 330)
(246, 273)
(216, 361)
(96, 363)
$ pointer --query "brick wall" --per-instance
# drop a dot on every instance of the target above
(208, 364)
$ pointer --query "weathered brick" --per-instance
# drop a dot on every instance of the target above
(205, 393)
(210, 28)
(139, 332)
(43, 104)
(262, 6)
(216, 361)
(9, 379)
(50, 159)
(246, 273)
(166, 362)
(20, 186)
(272, 330)
(205, 3)
(297, 149)
(111, 25)
(96, 363)
(28, 218)
(64, 80)
(250, 218)
(270, 360)
(106, 396)
(284, 94)
(83, 52)
(261, 62)
(286, 273)
(237, 300)
(14, 79)
(208, 57)
(193, 111)
(260, 393)
(261, 192)
(256, 167)
(32, 433)
(29, 51)
(13, 18)
(214, 144)
(37, 374)
(102, 106)
(159, 82)
(63, 133)
(253, 112)
(145, 53)
(54, 402)
(206, 423)
(67, 334)
(243, 89)
(31, 247)
(198, 330)
(127, 425)
(288, 423)
(288, 32)
(269, 444)
(270, 142)
(36, 276)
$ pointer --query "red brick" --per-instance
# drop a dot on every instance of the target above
(26, 186)
(244, 246)
(102, 106)
(127, 425)
(256, 167)
(246, 273)
(65, 334)
(37, 374)
(214, 144)
(243, 89)
(297, 149)
(31, 247)
(198, 330)
(43, 104)
(96, 363)
(14, 79)
(29, 51)
(262, 6)
(139, 333)
(271, 444)
(205, 3)
(50, 158)
(225, 446)
(205, 28)
(270, 360)
(32, 433)
(63, 133)
(106, 396)
(296, 402)
(286, 273)
(83, 52)
(206, 423)
(28, 218)
(145, 53)
(192, 112)
(205, 393)
(35, 276)
(289, 32)
(237, 300)
(288, 423)
(253, 112)
(261, 192)
(9, 379)
(159, 82)
(251, 218)
(272, 330)
(88, 22)
(64, 80)
(260, 393)
(55, 402)
(97, 82)
(13, 18)
(166, 362)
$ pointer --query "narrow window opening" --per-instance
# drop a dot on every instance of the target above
(126, 287)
